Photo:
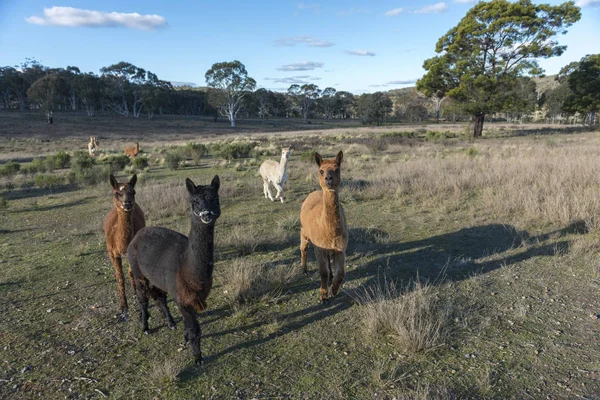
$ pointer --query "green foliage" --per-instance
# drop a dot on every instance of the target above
(584, 83)
(118, 162)
(471, 152)
(494, 44)
(9, 169)
(47, 181)
(307, 155)
(59, 160)
(172, 160)
(47, 90)
(235, 150)
(374, 108)
(404, 134)
(194, 151)
(140, 162)
(3, 202)
(90, 175)
(82, 161)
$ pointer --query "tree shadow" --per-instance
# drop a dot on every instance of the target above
(55, 206)
(26, 193)
(448, 257)
(552, 130)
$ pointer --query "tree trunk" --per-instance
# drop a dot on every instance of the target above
(478, 124)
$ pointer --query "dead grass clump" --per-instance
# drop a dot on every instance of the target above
(242, 240)
(164, 372)
(250, 280)
(417, 319)
(163, 200)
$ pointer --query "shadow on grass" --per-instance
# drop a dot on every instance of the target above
(429, 259)
(55, 206)
(26, 193)
(550, 130)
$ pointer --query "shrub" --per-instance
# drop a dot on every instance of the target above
(40, 165)
(195, 151)
(172, 160)
(90, 176)
(403, 134)
(118, 162)
(10, 169)
(471, 151)
(235, 150)
(47, 181)
(140, 162)
(82, 161)
(3, 202)
(307, 155)
(59, 160)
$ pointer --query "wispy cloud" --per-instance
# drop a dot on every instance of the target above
(585, 3)
(314, 7)
(407, 82)
(394, 12)
(307, 40)
(76, 17)
(301, 66)
(465, 1)
(434, 8)
(351, 11)
(376, 86)
(360, 53)
(290, 80)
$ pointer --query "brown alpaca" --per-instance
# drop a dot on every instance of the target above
(132, 151)
(120, 226)
(323, 224)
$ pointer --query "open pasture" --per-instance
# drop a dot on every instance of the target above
(471, 272)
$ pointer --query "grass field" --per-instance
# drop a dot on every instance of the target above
(472, 268)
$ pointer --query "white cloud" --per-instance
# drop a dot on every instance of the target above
(308, 40)
(434, 8)
(465, 1)
(74, 17)
(301, 66)
(360, 53)
(408, 82)
(585, 3)
(290, 80)
(394, 12)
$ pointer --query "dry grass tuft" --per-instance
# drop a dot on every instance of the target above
(164, 372)
(163, 200)
(250, 280)
(417, 320)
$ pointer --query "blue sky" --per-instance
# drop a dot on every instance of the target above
(358, 46)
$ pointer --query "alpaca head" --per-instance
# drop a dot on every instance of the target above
(204, 200)
(285, 152)
(329, 171)
(124, 194)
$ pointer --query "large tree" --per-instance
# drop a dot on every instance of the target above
(583, 78)
(494, 44)
(305, 95)
(374, 108)
(47, 91)
(88, 88)
(231, 83)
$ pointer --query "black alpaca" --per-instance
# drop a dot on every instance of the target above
(164, 261)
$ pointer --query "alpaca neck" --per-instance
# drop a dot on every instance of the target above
(125, 222)
(201, 251)
(330, 213)
(282, 165)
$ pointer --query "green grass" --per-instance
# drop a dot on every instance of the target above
(518, 293)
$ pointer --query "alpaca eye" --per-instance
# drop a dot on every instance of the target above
(321, 172)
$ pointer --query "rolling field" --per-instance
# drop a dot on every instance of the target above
(472, 268)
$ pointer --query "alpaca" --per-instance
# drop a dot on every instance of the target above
(323, 224)
(120, 226)
(93, 146)
(132, 151)
(164, 261)
(275, 173)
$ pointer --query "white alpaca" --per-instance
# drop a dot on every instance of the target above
(93, 146)
(275, 173)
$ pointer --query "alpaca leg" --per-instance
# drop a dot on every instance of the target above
(192, 331)
(339, 260)
(323, 264)
(268, 189)
(279, 194)
(303, 251)
(141, 292)
(117, 263)
(160, 297)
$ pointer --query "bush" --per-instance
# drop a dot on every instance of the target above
(195, 151)
(59, 160)
(47, 181)
(236, 150)
(403, 134)
(82, 161)
(307, 155)
(3, 202)
(10, 169)
(471, 152)
(172, 160)
(140, 162)
(118, 162)
(90, 176)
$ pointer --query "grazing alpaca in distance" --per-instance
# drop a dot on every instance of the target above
(164, 261)
(275, 173)
(133, 151)
(323, 224)
(120, 226)
(93, 146)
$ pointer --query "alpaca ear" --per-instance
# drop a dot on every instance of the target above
(191, 188)
(339, 157)
(216, 183)
(133, 181)
(318, 159)
(113, 182)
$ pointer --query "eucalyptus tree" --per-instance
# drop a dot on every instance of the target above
(229, 82)
(494, 44)
(583, 78)
(305, 95)
(47, 91)
(88, 88)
